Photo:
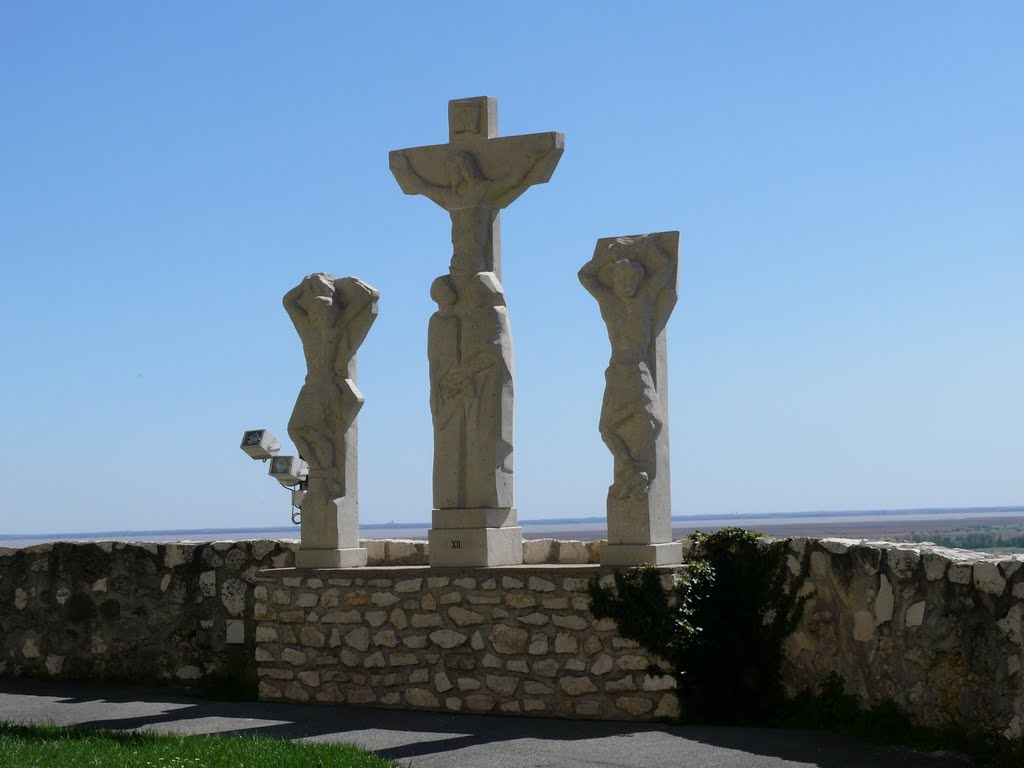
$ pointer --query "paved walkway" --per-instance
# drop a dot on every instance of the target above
(428, 740)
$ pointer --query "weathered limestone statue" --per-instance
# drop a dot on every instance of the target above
(634, 280)
(332, 318)
(469, 347)
(469, 342)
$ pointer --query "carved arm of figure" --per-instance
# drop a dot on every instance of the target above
(359, 310)
(442, 406)
(500, 187)
(463, 379)
(660, 270)
(452, 390)
(292, 306)
(590, 279)
(661, 286)
(319, 285)
(412, 181)
(503, 191)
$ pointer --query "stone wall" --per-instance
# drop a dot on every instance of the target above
(514, 640)
(157, 613)
(161, 613)
(936, 630)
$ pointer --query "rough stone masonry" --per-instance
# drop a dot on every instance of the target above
(520, 641)
(940, 631)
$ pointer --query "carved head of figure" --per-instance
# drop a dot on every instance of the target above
(318, 298)
(485, 290)
(463, 171)
(626, 278)
(443, 292)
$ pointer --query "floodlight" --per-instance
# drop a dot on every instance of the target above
(260, 444)
(288, 470)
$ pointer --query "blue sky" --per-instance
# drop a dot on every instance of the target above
(847, 179)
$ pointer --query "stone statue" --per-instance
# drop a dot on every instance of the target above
(487, 365)
(449, 397)
(332, 318)
(469, 344)
(469, 348)
(634, 281)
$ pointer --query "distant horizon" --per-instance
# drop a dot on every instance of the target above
(915, 511)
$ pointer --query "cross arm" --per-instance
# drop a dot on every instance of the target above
(516, 163)
(477, 171)
(422, 171)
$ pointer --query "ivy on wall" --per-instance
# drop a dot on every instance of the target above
(721, 625)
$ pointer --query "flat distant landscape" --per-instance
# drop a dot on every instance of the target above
(1004, 532)
(920, 529)
(995, 528)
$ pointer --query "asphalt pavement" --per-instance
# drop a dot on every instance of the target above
(436, 740)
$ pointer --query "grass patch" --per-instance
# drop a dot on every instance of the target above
(27, 746)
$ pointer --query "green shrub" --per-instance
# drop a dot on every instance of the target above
(721, 625)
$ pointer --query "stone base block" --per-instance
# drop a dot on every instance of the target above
(330, 558)
(475, 546)
(477, 517)
(508, 641)
(670, 553)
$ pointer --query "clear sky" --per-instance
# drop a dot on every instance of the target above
(848, 179)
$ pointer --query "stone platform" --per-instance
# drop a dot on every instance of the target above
(514, 640)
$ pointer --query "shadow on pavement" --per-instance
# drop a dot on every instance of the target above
(820, 748)
(401, 735)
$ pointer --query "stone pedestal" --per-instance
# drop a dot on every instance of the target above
(331, 558)
(330, 533)
(505, 641)
(475, 537)
(631, 554)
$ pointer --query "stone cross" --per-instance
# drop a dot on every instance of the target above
(469, 340)
(332, 318)
(634, 280)
(474, 176)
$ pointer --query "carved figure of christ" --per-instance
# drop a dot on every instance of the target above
(474, 176)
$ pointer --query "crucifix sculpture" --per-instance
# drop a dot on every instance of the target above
(469, 344)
